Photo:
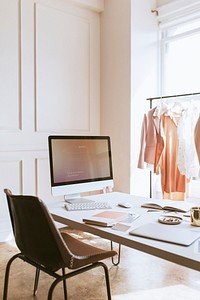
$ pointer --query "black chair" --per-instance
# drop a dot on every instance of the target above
(44, 247)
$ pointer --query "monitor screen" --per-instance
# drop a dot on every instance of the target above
(79, 164)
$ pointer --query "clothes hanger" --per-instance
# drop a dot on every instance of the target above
(176, 107)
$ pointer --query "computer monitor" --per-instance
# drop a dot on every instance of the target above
(79, 164)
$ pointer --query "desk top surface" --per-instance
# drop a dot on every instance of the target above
(188, 256)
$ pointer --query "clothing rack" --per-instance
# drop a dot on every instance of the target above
(172, 96)
(167, 97)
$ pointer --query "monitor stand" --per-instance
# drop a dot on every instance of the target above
(76, 198)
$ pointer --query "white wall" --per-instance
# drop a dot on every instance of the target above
(144, 70)
(116, 85)
(128, 77)
(49, 74)
(49, 84)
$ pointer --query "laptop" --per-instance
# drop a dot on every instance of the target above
(167, 233)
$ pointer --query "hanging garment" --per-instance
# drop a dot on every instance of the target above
(187, 159)
(149, 134)
(161, 109)
(174, 184)
(148, 140)
(197, 138)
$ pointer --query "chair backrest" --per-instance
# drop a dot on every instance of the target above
(35, 233)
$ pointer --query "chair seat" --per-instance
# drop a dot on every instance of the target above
(83, 253)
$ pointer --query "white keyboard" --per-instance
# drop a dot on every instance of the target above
(86, 206)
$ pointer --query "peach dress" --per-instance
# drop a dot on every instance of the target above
(174, 184)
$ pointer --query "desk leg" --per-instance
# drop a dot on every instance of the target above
(119, 254)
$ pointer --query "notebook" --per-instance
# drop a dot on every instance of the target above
(167, 233)
(106, 218)
(170, 206)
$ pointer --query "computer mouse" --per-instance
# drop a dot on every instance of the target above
(124, 204)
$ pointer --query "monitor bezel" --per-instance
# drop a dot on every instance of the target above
(82, 185)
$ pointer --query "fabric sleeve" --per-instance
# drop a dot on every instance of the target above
(141, 163)
(197, 138)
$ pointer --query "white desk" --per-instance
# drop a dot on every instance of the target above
(186, 256)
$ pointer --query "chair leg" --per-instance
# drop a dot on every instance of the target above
(37, 274)
(53, 285)
(79, 271)
(119, 255)
(107, 280)
(5, 290)
(64, 285)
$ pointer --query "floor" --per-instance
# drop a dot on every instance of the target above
(138, 277)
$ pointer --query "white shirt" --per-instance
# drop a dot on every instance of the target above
(187, 159)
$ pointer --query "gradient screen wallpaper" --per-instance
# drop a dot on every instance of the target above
(79, 160)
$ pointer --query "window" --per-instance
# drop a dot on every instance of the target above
(180, 65)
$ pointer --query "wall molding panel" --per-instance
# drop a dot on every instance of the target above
(90, 5)
(12, 178)
(62, 60)
(10, 62)
(49, 84)
(43, 190)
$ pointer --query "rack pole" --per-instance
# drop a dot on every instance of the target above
(173, 96)
(150, 174)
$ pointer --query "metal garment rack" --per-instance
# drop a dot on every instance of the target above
(163, 98)
(172, 96)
